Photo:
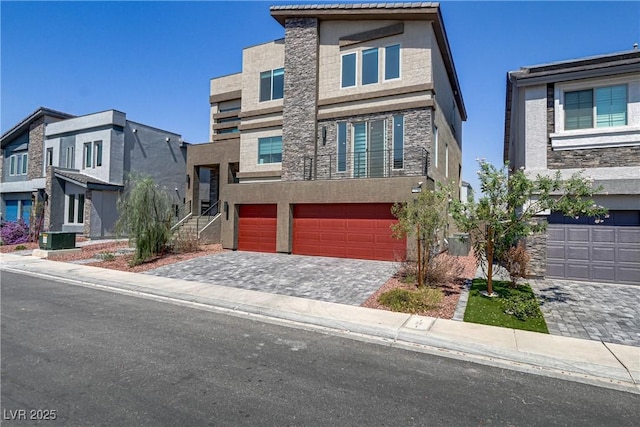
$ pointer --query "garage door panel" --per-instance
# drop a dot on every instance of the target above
(257, 228)
(346, 230)
(609, 253)
(629, 255)
(603, 254)
(577, 253)
(629, 235)
(578, 271)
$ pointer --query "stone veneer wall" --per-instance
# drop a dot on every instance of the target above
(36, 147)
(299, 114)
(593, 157)
(87, 214)
(536, 246)
(417, 135)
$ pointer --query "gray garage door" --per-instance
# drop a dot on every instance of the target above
(594, 253)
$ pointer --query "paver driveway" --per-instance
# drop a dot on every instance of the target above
(597, 311)
(340, 280)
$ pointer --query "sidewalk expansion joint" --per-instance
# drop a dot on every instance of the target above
(620, 361)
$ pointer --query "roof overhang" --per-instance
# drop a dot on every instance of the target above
(24, 124)
(86, 181)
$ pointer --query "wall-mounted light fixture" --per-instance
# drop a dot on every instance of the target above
(417, 188)
(135, 130)
(188, 181)
(168, 139)
(324, 135)
(226, 211)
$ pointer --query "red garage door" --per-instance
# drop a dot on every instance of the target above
(257, 228)
(347, 231)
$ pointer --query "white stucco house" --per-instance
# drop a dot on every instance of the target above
(582, 115)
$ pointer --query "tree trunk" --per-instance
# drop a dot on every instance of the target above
(490, 261)
(419, 260)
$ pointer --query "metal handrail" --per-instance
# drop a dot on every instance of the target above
(208, 215)
(184, 218)
(366, 164)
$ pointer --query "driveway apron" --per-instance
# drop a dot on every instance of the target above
(338, 280)
(596, 311)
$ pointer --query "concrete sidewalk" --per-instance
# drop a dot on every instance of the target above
(604, 364)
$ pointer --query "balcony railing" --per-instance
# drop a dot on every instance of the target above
(367, 164)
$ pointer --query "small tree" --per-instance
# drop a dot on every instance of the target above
(505, 212)
(145, 215)
(424, 218)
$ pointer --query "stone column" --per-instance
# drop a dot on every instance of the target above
(36, 149)
(299, 128)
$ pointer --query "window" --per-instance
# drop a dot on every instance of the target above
(75, 208)
(392, 62)
(229, 130)
(446, 160)
(370, 66)
(369, 149)
(87, 155)
(398, 142)
(435, 146)
(70, 157)
(609, 108)
(270, 150)
(98, 153)
(272, 84)
(342, 147)
(49, 157)
(18, 164)
(349, 66)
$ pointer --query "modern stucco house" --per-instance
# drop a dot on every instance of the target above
(77, 167)
(323, 130)
(582, 114)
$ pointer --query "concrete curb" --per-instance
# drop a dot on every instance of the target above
(603, 364)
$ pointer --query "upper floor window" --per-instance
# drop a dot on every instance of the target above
(18, 164)
(349, 67)
(272, 84)
(398, 142)
(97, 145)
(435, 146)
(370, 66)
(70, 155)
(270, 150)
(604, 107)
(87, 155)
(392, 62)
(49, 161)
(342, 147)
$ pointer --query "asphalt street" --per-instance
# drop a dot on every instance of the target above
(97, 358)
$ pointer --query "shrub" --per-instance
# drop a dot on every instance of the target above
(411, 301)
(516, 261)
(186, 241)
(443, 269)
(522, 307)
(107, 256)
(14, 232)
(20, 248)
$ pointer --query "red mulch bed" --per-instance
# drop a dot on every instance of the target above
(451, 290)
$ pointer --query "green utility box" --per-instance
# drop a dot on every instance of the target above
(52, 240)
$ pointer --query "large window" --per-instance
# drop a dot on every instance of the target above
(370, 66)
(70, 159)
(98, 153)
(18, 164)
(349, 66)
(369, 149)
(342, 147)
(75, 208)
(392, 62)
(49, 156)
(87, 155)
(272, 84)
(435, 146)
(398, 142)
(602, 107)
(270, 150)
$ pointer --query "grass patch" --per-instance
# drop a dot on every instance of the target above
(491, 311)
(411, 300)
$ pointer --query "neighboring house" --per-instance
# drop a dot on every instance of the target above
(466, 192)
(21, 164)
(82, 164)
(325, 129)
(582, 114)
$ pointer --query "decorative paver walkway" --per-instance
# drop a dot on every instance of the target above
(339, 280)
(597, 311)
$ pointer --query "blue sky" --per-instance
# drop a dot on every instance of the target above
(154, 60)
